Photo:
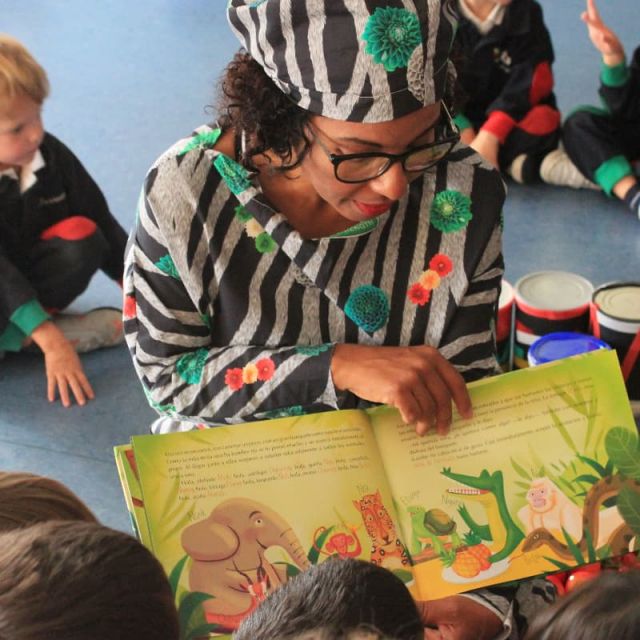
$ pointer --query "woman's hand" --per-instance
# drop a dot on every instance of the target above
(604, 40)
(488, 146)
(458, 618)
(418, 381)
(62, 364)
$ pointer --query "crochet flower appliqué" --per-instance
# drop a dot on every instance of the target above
(190, 365)
(368, 307)
(129, 308)
(235, 378)
(391, 35)
(166, 265)
(232, 173)
(440, 266)
(263, 241)
(202, 141)
(285, 412)
(450, 211)
(312, 349)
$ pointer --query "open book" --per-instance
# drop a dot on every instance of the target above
(545, 476)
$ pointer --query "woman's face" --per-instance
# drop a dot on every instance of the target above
(361, 201)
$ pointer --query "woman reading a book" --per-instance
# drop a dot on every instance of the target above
(327, 243)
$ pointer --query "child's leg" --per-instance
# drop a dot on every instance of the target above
(529, 142)
(64, 261)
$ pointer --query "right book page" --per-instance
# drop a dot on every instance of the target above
(545, 476)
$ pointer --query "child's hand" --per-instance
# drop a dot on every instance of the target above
(467, 135)
(603, 38)
(63, 367)
(488, 146)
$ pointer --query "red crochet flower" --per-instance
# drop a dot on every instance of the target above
(129, 307)
(233, 379)
(418, 294)
(266, 368)
(441, 264)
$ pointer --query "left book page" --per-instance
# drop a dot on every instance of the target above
(235, 511)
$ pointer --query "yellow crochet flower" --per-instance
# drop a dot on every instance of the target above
(253, 228)
(430, 279)
(249, 373)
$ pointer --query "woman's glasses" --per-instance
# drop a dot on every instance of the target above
(361, 167)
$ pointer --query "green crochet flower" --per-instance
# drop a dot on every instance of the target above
(202, 141)
(358, 229)
(285, 412)
(167, 265)
(190, 365)
(242, 214)
(391, 35)
(450, 211)
(232, 173)
(206, 320)
(265, 243)
(162, 408)
(312, 349)
(368, 307)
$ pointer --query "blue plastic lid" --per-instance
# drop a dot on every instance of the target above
(562, 344)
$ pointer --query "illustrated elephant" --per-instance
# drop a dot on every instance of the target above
(228, 551)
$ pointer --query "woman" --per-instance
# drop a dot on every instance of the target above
(327, 244)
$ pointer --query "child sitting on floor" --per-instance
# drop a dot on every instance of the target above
(601, 144)
(510, 117)
(56, 231)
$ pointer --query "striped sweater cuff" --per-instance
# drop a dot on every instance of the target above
(614, 76)
(500, 124)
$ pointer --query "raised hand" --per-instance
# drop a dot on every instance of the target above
(418, 381)
(603, 38)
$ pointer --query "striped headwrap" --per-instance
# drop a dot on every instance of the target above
(356, 60)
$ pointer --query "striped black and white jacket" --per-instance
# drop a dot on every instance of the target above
(232, 316)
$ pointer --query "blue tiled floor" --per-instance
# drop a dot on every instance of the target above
(128, 79)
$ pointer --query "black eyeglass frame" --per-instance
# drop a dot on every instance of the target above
(452, 139)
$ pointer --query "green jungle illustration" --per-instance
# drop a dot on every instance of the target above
(578, 510)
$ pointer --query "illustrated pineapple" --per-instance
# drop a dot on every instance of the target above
(475, 546)
(462, 562)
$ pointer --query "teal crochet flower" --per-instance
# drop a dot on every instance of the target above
(368, 307)
(450, 211)
(167, 265)
(285, 412)
(312, 349)
(242, 214)
(233, 174)
(391, 35)
(358, 229)
(265, 243)
(206, 320)
(190, 365)
(202, 141)
(162, 408)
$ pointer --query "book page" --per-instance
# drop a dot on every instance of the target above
(234, 511)
(505, 494)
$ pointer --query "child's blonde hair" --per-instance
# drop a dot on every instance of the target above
(26, 499)
(20, 74)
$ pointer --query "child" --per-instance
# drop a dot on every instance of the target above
(510, 117)
(603, 608)
(26, 499)
(56, 231)
(80, 580)
(600, 144)
(336, 599)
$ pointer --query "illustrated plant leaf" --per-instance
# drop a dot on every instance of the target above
(573, 547)
(562, 430)
(587, 477)
(595, 465)
(519, 470)
(622, 447)
(542, 472)
(314, 553)
(608, 469)
(591, 552)
(176, 572)
(556, 563)
(191, 607)
(629, 508)
(524, 485)
(604, 552)
(591, 419)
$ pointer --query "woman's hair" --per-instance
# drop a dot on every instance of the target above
(606, 607)
(251, 103)
(80, 580)
(20, 74)
(337, 599)
(26, 499)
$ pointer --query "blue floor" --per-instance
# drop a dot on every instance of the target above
(130, 78)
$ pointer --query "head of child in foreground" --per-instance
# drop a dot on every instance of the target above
(82, 581)
(23, 88)
(337, 599)
(26, 499)
(603, 608)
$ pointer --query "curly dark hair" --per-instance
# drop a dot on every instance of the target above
(250, 102)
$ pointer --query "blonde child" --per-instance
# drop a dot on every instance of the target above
(56, 231)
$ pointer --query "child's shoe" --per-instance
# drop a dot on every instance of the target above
(96, 329)
(557, 168)
(525, 169)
